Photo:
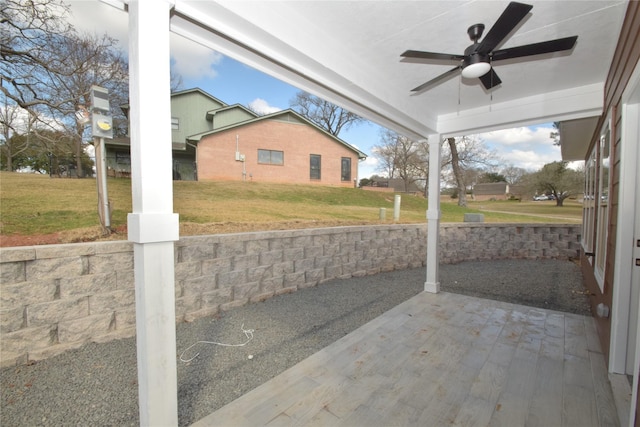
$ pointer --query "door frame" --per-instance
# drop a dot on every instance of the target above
(628, 206)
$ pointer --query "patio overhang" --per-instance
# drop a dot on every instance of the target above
(576, 136)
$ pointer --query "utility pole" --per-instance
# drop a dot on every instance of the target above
(101, 128)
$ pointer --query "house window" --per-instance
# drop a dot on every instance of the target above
(345, 169)
(589, 204)
(123, 157)
(271, 157)
(314, 166)
(175, 123)
(603, 205)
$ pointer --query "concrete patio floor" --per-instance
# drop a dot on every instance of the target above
(443, 359)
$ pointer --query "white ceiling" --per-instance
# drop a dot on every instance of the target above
(348, 52)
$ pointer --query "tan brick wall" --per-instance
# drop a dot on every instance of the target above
(216, 154)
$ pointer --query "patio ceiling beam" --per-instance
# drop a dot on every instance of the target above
(215, 26)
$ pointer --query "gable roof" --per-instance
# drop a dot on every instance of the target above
(197, 90)
(291, 115)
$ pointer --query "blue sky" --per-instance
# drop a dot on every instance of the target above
(233, 82)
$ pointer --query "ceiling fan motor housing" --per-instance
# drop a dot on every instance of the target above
(473, 57)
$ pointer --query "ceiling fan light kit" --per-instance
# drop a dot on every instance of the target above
(478, 59)
(473, 71)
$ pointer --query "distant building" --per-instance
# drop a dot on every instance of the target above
(215, 141)
(497, 191)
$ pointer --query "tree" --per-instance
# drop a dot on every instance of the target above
(557, 179)
(513, 174)
(326, 115)
(48, 68)
(401, 157)
(90, 60)
(457, 172)
(555, 134)
(487, 177)
(463, 154)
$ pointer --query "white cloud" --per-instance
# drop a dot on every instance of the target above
(261, 106)
(193, 61)
(188, 59)
(530, 159)
(521, 136)
(99, 18)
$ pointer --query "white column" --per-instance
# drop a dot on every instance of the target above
(153, 227)
(432, 283)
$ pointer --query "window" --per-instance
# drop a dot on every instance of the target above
(314, 166)
(271, 157)
(345, 169)
(603, 206)
(123, 157)
(588, 204)
(175, 123)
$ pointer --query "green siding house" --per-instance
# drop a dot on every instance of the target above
(195, 114)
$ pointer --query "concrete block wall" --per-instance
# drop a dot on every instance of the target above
(58, 297)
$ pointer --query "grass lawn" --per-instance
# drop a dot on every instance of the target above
(33, 204)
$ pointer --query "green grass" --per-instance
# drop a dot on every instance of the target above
(35, 204)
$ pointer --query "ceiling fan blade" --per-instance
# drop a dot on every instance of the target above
(490, 79)
(441, 77)
(417, 54)
(510, 18)
(557, 45)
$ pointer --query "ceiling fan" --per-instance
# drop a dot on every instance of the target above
(478, 58)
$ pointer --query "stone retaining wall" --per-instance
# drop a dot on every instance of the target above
(58, 297)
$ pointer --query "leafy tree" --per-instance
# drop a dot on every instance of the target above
(555, 134)
(326, 115)
(488, 177)
(364, 182)
(557, 179)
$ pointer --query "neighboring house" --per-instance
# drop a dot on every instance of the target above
(610, 146)
(394, 185)
(213, 140)
(497, 191)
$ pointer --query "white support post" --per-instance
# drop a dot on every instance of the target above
(432, 283)
(153, 227)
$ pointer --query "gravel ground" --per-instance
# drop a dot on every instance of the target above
(96, 384)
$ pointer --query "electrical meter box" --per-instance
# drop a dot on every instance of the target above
(100, 99)
(102, 126)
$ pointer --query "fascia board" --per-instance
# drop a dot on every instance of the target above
(214, 26)
(569, 104)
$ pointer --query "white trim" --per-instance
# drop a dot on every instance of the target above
(625, 230)
(432, 283)
(153, 225)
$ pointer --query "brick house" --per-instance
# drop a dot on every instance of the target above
(279, 147)
(497, 191)
(213, 140)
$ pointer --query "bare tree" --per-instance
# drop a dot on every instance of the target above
(402, 157)
(48, 68)
(457, 172)
(31, 31)
(90, 60)
(326, 115)
(466, 153)
(513, 174)
(13, 120)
